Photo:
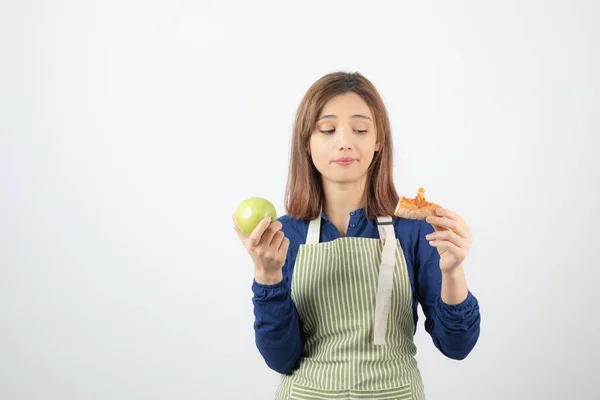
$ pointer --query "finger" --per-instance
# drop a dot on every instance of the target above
(239, 232)
(256, 235)
(448, 223)
(438, 228)
(450, 247)
(444, 212)
(450, 236)
(277, 239)
(285, 244)
(270, 233)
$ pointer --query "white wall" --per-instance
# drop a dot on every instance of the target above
(130, 130)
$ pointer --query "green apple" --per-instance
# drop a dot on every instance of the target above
(253, 210)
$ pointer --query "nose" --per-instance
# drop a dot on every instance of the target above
(344, 138)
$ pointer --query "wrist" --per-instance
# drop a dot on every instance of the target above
(455, 273)
(267, 278)
(454, 286)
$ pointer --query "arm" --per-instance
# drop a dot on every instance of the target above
(277, 324)
(454, 328)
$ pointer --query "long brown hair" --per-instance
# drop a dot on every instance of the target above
(304, 191)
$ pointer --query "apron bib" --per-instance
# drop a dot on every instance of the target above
(354, 298)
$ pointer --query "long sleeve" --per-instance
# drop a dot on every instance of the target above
(453, 328)
(277, 323)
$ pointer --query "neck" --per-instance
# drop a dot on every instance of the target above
(340, 199)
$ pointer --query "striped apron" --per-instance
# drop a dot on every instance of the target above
(354, 299)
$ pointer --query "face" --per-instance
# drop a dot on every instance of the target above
(344, 140)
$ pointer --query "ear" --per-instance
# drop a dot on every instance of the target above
(377, 146)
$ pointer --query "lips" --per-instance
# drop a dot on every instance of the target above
(344, 160)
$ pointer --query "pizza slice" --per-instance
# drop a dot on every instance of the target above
(416, 208)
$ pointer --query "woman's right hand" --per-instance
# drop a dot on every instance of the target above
(267, 246)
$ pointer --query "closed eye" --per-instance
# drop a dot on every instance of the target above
(329, 132)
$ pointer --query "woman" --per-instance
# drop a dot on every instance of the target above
(339, 277)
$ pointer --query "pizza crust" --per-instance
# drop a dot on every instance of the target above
(414, 214)
(416, 208)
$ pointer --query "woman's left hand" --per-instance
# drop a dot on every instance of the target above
(452, 238)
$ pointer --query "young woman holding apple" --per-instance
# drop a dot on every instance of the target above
(339, 277)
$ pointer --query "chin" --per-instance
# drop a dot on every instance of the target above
(343, 178)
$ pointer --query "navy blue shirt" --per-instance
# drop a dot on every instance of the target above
(454, 329)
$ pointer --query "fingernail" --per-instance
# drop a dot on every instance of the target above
(427, 237)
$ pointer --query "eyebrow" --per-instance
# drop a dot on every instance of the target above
(353, 116)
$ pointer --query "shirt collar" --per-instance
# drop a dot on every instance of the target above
(359, 212)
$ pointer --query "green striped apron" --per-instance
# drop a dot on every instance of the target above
(354, 298)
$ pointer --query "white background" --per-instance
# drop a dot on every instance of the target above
(130, 130)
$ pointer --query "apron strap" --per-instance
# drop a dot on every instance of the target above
(386, 278)
(314, 230)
